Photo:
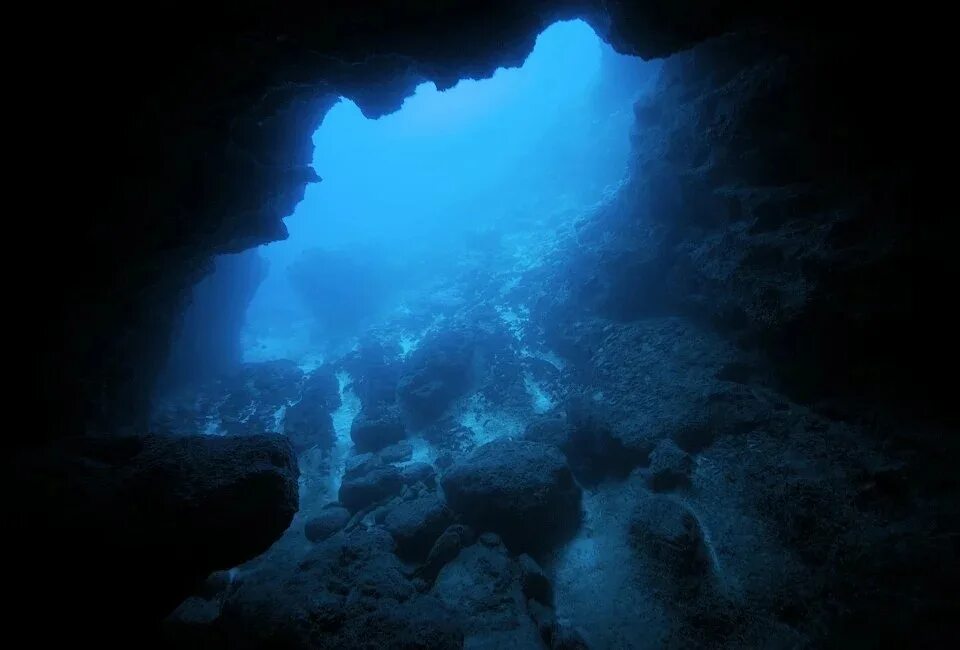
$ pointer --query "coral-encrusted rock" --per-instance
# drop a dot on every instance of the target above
(183, 506)
(372, 431)
(522, 490)
(416, 524)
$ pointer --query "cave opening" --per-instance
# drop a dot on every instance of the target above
(515, 395)
(424, 218)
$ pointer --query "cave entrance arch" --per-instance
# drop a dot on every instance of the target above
(483, 178)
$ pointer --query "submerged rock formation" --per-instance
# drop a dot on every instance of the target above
(751, 312)
(141, 521)
(522, 490)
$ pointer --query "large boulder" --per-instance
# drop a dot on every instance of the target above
(104, 509)
(523, 490)
(416, 524)
(373, 430)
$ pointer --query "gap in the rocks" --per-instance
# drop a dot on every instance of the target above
(429, 219)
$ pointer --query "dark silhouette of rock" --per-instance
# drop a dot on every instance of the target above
(522, 490)
(185, 506)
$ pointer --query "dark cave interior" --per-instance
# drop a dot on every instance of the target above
(772, 461)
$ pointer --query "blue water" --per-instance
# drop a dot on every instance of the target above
(480, 178)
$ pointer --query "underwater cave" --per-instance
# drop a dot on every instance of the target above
(552, 325)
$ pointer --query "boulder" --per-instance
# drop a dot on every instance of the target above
(349, 592)
(668, 534)
(397, 453)
(330, 520)
(445, 549)
(416, 524)
(361, 464)
(440, 371)
(482, 585)
(669, 468)
(182, 506)
(373, 430)
(520, 489)
(378, 484)
(419, 473)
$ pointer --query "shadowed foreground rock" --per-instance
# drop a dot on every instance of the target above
(139, 521)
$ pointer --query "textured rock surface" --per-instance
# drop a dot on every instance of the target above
(520, 489)
(396, 453)
(330, 520)
(349, 592)
(416, 524)
(372, 431)
(103, 509)
(365, 489)
(483, 587)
